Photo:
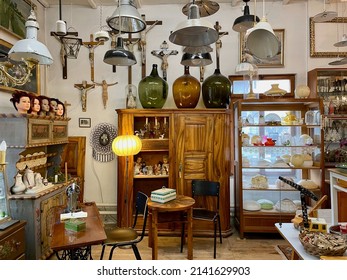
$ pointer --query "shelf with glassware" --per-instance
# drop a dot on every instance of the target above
(272, 139)
(34, 148)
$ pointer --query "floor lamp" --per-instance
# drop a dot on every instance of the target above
(126, 145)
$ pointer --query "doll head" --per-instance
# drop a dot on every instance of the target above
(53, 103)
(21, 101)
(44, 102)
(60, 109)
(35, 105)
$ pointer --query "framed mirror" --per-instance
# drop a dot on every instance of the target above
(323, 36)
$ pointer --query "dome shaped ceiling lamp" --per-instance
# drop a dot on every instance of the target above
(194, 32)
(127, 12)
(119, 56)
(30, 49)
(196, 56)
(325, 16)
(245, 22)
(206, 8)
(101, 35)
(249, 71)
(261, 40)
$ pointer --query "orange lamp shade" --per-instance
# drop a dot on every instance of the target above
(126, 145)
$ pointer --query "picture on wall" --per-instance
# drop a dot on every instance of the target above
(276, 61)
(32, 86)
(13, 15)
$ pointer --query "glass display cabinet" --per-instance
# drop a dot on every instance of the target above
(275, 137)
(4, 209)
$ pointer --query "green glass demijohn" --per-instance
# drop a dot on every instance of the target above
(153, 90)
(216, 90)
(186, 90)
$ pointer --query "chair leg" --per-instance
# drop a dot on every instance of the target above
(182, 237)
(220, 230)
(136, 251)
(111, 252)
(102, 251)
(215, 239)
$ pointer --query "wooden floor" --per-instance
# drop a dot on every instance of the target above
(253, 247)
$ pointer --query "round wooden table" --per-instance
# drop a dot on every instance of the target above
(181, 203)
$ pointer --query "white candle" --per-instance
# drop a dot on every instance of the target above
(146, 120)
(156, 121)
(164, 120)
(55, 178)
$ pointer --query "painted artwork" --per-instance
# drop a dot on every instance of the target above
(13, 15)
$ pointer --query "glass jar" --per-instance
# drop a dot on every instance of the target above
(216, 91)
(131, 93)
(153, 90)
(186, 90)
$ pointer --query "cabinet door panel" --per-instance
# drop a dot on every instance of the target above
(194, 149)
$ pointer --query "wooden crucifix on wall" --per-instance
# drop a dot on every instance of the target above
(92, 45)
(84, 87)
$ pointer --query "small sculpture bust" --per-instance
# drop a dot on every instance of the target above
(21, 101)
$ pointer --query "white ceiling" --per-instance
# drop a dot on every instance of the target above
(95, 3)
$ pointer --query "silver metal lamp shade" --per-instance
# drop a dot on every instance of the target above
(119, 56)
(261, 41)
(245, 22)
(194, 32)
(202, 49)
(131, 20)
(30, 48)
(196, 60)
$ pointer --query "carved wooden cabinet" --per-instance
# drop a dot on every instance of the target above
(12, 242)
(37, 142)
(197, 144)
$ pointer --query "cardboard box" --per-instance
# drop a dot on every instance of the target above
(163, 195)
(75, 224)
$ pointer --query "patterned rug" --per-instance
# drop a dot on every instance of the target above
(285, 251)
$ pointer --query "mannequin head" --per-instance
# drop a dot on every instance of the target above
(44, 102)
(60, 109)
(53, 104)
(35, 105)
(21, 101)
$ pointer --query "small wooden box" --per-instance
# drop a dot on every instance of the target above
(163, 195)
(75, 225)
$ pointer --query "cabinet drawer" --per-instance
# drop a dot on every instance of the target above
(39, 131)
(13, 246)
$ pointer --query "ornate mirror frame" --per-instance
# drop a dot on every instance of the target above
(323, 36)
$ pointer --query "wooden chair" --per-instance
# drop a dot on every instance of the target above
(118, 237)
(203, 189)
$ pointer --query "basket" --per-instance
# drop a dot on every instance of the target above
(322, 244)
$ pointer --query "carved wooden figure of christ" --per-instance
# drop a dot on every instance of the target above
(105, 86)
(84, 87)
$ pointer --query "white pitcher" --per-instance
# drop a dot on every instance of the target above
(28, 178)
(19, 187)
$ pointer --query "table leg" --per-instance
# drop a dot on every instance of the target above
(190, 233)
(154, 234)
(150, 233)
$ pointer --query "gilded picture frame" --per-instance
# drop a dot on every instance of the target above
(32, 86)
(323, 36)
(275, 62)
(13, 15)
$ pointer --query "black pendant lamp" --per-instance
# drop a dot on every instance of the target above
(119, 56)
(245, 22)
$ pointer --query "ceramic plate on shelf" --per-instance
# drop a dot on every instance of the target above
(341, 165)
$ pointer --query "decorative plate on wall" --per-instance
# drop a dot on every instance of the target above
(101, 138)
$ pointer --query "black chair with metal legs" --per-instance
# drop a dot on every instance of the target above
(118, 237)
(208, 192)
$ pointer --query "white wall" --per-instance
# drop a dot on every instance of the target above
(100, 181)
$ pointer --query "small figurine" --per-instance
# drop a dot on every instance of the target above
(21, 101)
(165, 166)
(138, 166)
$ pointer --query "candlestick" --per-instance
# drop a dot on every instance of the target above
(146, 120)
(155, 121)
(164, 120)
(65, 171)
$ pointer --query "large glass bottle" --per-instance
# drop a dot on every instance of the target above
(153, 90)
(216, 90)
(186, 90)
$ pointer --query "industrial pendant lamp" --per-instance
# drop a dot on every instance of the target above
(196, 59)
(30, 48)
(194, 32)
(245, 22)
(261, 40)
(132, 21)
(119, 56)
